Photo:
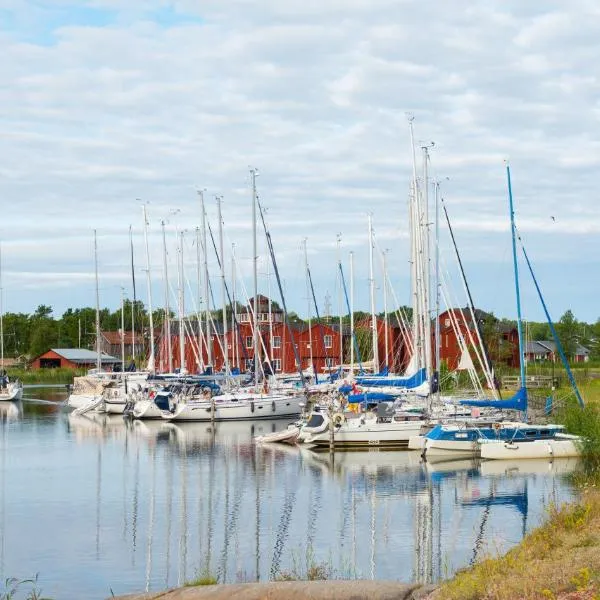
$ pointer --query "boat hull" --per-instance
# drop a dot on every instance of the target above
(146, 409)
(560, 447)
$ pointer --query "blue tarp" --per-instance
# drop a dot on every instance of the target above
(414, 381)
(517, 402)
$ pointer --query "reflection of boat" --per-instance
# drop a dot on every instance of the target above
(558, 466)
(286, 436)
(96, 425)
(10, 412)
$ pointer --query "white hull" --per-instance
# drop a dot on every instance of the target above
(11, 393)
(114, 407)
(562, 446)
(450, 449)
(232, 408)
(146, 409)
(416, 442)
(368, 434)
(287, 436)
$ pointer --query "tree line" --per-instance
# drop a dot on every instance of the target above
(32, 334)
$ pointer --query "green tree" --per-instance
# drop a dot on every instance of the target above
(568, 333)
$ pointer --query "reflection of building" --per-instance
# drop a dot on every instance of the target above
(72, 358)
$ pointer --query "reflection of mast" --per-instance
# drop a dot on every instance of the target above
(134, 514)
(373, 531)
(3, 491)
(169, 481)
(151, 524)
(257, 485)
(181, 577)
(282, 530)
(98, 494)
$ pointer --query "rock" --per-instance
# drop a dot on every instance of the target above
(294, 590)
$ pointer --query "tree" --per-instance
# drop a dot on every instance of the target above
(568, 333)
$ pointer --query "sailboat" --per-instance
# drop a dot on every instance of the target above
(256, 402)
(512, 440)
(9, 390)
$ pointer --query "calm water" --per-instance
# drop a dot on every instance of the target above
(94, 504)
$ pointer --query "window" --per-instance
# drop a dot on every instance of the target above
(276, 341)
(249, 363)
(277, 364)
(248, 341)
(244, 317)
(447, 323)
(328, 341)
(329, 362)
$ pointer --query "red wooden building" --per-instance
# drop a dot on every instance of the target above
(72, 358)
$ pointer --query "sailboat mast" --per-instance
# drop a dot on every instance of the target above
(206, 283)
(233, 309)
(372, 288)
(413, 212)
(338, 242)
(255, 342)
(122, 330)
(167, 325)
(149, 285)
(516, 270)
(437, 288)
(271, 351)
(181, 307)
(134, 298)
(385, 312)
(199, 305)
(98, 355)
(310, 341)
(351, 313)
(426, 278)
(223, 295)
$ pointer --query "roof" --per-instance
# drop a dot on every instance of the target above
(549, 346)
(114, 337)
(82, 355)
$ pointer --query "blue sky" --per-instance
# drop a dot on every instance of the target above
(105, 107)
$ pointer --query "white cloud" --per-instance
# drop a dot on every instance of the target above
(315, 95)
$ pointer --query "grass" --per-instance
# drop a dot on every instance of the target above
(13, 586)
(49, 376)
(203, 577)
(560, 559)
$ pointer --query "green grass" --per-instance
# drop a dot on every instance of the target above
(13, 588)
(49, 376)
(204, 577)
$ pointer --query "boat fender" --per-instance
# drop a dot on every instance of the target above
(338, 420)
(273, 406)
(252, 406)
(496, 427)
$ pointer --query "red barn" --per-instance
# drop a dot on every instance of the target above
(72, 358)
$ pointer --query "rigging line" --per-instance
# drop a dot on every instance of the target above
(356, 348)
(489, 366)
(283, 303)
(321, 328)
(480, 359)
(552, 328)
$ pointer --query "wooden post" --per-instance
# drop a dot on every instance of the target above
(212, 410)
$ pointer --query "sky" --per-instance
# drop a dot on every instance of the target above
(106, 106)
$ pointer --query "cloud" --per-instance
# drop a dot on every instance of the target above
(106, 107)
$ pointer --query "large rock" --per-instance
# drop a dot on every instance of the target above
(294, 590)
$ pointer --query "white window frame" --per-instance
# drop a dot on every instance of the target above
(328, 339)
(329, 362)
(277, 365)
(276, 341)
(249, 341)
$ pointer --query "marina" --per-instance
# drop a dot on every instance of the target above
(113, 504)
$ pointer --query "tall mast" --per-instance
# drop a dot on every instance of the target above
(151, 364)
(426, 264)
(233, 309)
(351, 313)
(414, 220)
(516, 270)
(167, 324)
(372, 289)
(310, 342)
(223, 294)
(98, 355)
(199, 295)
(134, 297)
(271, 350)
(437, 287)
(385, 312)
(122, 330)
(206, 283)
(338, 242)
(181, 307)
(255, 344)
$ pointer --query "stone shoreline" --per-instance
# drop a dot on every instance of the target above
(294, 590)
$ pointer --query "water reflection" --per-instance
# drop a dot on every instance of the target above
(146, 505)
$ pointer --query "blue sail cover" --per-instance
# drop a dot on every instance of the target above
(371, 397)
(414, 381)
(517, 402)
